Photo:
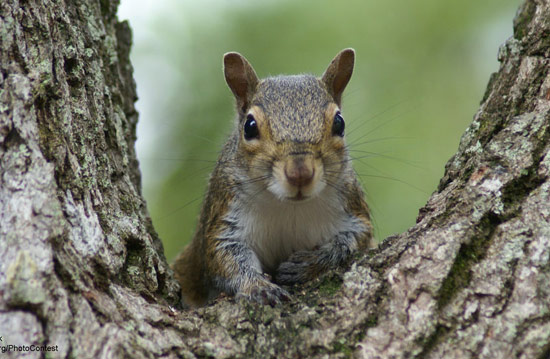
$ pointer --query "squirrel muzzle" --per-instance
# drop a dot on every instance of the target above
(299, 176)
(299, 170)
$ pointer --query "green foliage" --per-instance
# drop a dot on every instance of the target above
(421, 69)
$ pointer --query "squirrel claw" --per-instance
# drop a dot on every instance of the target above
(297, 269)
(271, 295)
(289, 273)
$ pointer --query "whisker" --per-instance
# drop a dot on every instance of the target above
(248, 181)
(351, 158)
(374, 140)
(204, 169)
(376, 115)
(379, 154)
(181, 159)
(176, 210)
(395, 180)
(376, 128)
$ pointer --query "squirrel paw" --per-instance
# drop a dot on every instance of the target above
(266, 294)
(300, 267)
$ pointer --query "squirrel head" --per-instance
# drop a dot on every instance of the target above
(290, 128)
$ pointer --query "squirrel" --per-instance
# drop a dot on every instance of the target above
(283, 200)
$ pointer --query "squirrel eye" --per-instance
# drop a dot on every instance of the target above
(338, 125)
(251, 128)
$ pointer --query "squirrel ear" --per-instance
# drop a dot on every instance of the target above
(338, 73)
(240, 77)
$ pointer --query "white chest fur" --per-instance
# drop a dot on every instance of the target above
(275, 229)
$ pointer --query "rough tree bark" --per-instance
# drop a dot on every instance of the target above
(82, 269)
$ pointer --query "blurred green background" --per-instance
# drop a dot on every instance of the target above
(421, 70)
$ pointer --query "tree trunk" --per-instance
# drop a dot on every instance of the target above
(83, 273)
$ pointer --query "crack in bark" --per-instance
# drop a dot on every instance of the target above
(545, 352)
(470, 253)
(432, 341)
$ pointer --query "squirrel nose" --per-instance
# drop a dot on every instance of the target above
(299, 171)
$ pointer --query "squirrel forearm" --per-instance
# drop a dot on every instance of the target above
(238, 271)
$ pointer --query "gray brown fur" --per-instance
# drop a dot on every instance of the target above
(296, 102)
(255, 223)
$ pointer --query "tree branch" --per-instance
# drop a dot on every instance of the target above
(83, 269)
